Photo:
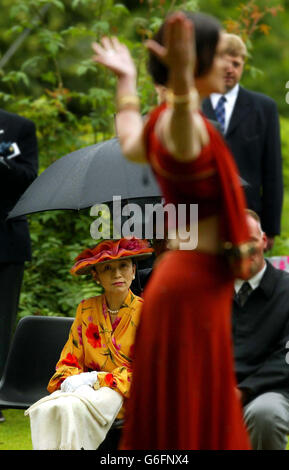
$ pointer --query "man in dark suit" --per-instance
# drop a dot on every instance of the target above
(251, 128)
(18, 168)
(260, 335)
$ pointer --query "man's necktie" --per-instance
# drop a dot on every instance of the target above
(220, 112)
(243, 294)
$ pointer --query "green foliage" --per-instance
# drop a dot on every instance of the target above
(264, 26)
(48, 287)
(47, 75)
(52, 80)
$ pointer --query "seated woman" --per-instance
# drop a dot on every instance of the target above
(93, 373)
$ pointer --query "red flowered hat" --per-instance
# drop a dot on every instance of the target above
(110, 250)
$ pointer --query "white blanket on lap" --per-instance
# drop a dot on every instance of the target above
(73, 421)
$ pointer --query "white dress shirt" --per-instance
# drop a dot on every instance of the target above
(229, 104)
(254, 281)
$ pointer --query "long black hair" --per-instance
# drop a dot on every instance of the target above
(207, 31)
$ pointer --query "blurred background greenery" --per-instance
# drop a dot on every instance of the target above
(46, 74)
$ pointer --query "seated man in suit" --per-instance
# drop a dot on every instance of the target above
(260, 335)
(251, 128)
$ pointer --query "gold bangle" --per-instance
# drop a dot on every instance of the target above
(189, 99)
(128, 102)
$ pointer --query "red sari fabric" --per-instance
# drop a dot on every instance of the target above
(183, 393)
(183, 388)
(211, 180)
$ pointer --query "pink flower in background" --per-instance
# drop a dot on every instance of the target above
(282, 264)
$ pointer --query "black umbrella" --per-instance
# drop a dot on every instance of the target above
(88, 176)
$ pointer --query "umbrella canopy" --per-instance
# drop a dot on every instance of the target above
(88, 176)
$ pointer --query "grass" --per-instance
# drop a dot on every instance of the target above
(15, 431)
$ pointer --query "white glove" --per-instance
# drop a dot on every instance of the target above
(70, 384)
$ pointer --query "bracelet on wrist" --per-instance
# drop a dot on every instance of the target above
(126, 102)
(190, 99)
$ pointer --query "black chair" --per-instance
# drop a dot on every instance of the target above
(34, 352)
(113, 437)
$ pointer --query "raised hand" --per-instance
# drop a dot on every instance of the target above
(114, 56)
(129, 123)
(178, 51)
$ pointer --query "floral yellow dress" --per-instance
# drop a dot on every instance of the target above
(95, 343)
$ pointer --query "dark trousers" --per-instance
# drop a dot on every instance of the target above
(11, 276)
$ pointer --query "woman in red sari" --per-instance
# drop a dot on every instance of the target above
(183, 393)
